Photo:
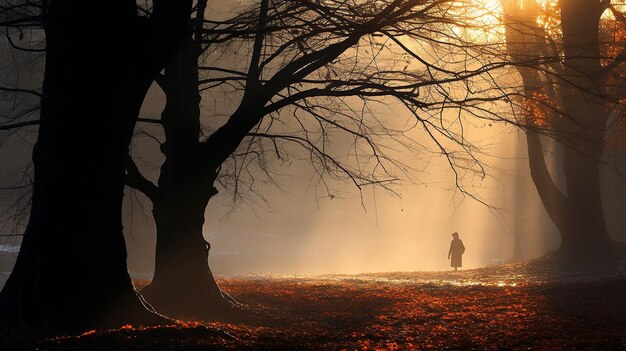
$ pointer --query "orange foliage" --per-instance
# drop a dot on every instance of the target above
(615, 41)
(393, 312)
(537, 109)
(367, 315)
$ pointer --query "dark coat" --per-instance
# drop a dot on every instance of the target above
(456, 253)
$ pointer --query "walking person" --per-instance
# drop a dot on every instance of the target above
(455, 254)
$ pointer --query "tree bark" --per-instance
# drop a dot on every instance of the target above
(577, 214)
(553, 200)
(586, 233)
(183, 284)
(71, 270)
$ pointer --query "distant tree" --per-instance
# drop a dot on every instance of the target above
(100, 60)
(307, 78)
(571, 96)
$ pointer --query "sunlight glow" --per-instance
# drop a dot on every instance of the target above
(487, 22)
(485, 19)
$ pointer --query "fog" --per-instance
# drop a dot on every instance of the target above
(379, 232)
(347, 230)
(303, 231)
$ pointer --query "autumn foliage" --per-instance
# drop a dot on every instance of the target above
(488, 309)
(539, 109)
(614, 43)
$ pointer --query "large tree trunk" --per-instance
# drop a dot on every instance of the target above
(553, 200)
(525, 41)
(586, 233)
(577, 214)
(183, 285)
(71, 270)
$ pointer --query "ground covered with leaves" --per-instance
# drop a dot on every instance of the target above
(498, 308)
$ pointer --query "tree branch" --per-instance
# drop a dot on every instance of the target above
(19, 125)
(19, 90)
(136, 180)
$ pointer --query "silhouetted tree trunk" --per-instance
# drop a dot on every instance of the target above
(183, 284)
(586, 231)
(577, 214)
(71, 269)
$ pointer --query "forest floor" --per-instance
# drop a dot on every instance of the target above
(510, 307)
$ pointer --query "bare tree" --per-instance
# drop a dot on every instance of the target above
(71, 269)
(308, 80)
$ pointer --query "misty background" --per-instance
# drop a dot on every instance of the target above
(304, 231)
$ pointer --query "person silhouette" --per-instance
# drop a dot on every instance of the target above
(456, 251)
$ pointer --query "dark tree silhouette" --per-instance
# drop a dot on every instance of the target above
(571, 99)
(183, 190)
(299, 63)
(100, 60)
